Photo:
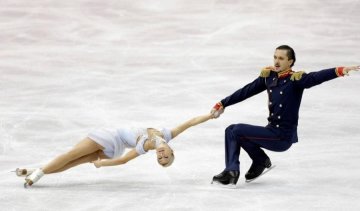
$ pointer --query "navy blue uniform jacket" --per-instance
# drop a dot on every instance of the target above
(285, 92)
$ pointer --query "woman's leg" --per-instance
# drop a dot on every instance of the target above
(84, 159)
(82, 149)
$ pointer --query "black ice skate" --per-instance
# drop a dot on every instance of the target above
(257, 170)
(226, 178)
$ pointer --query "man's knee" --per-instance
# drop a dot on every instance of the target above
(233, 127)
(236, 129)
(229, 129)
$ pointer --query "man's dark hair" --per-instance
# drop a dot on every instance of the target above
(290, 52)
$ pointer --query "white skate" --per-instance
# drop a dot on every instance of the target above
(23, 172)
(34, 177)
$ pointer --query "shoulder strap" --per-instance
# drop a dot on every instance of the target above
(265, 72)
(296, 76)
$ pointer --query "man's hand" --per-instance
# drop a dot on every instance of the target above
(346, 70)
(97, 163)
(217, 110)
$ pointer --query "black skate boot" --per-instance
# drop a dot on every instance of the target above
(226, 178)
(256, 170)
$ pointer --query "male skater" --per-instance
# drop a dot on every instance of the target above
(285, 89)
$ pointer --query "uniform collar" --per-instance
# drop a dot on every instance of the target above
(285, 73)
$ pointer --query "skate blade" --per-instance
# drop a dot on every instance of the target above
(27, 183)
(267, 170)
(218, 184)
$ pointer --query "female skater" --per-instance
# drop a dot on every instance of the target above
(104, 147)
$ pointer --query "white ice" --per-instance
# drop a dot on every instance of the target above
(67, 67)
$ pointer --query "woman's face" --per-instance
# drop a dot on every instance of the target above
(164, 154)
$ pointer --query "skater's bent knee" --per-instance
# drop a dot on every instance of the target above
(229, 128)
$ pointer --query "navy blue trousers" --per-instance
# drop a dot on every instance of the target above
(251, 139)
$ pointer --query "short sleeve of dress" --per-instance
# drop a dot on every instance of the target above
(140, 145)
(167, 134)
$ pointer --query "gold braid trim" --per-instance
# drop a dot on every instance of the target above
(296, 75)
(265, 72)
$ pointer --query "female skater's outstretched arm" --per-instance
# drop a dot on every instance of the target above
(192, 122)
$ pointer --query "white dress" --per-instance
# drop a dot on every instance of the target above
(116, 140)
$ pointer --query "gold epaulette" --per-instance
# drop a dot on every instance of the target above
(296, 75)
(265, 72)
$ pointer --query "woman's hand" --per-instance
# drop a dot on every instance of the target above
(348, 69)
(97, 163)
(217, 110)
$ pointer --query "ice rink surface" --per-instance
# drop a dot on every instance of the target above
(68, 67)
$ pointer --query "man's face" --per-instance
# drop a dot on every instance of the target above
(281, 60)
